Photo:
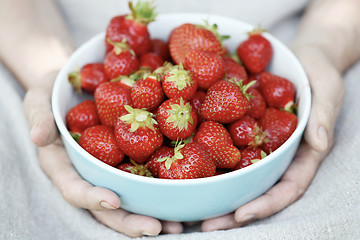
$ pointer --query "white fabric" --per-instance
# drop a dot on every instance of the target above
(32, 208)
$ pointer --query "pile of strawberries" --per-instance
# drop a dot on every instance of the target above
(181, 108)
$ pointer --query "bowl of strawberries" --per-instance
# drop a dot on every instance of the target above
(185, 116)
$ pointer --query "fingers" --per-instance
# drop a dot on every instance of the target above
(327, 96)
(220, 223)
(289, 189)
(55, 163)
(130, 224)
(172, 227)
(37, 107)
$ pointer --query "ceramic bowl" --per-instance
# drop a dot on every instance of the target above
(193, 199)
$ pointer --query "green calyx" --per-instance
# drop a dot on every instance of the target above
(180, 77)
(75, 79)
(257, 31)
(262, 155)
(180, 115)
(124, 80)
(139, 169)
(243, 87)
(142, 11)
(140, 74)
(163, 70)
(214, 29)
(177, 155)
(138, 118)
(120, 47)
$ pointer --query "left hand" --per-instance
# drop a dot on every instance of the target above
(327, 94)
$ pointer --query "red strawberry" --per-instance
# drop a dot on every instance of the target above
(214, 137)
(132, 27)
(137, 134)
(234, 70)
(246, 132)
(188, 36)
(161, 48)
(278, 126)
(153, 164)
(88, 77)
(176, 118)
(120, 61)
(189, 161)
(255, 52)
(100, 142)
(257, 103)
(206, 67)
(110, 98)
(147, 93)
(135, 168)
(82, 116)
(178, 82)
(278, 92)
(225, 102)
(196, 101)
(151, 60)
(249, 156)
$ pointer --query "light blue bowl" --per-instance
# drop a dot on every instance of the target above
(195, 199)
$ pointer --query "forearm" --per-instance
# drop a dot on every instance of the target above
(35, 40)
(333, 26)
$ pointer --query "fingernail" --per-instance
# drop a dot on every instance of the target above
(248, 218)
(323, 138)
(106, 205)
(148, 234)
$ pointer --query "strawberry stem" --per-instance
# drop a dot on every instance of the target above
(180, 77)
(138, 118)
(143, 12)
(180, 115)
(75, 79)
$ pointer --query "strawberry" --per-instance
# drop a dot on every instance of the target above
(100, 142)
(88, 77)
(82, 116)
(137, 134)
(217, 141)
(132, 27)
(188, 161)
(153, 164)
(189, 37)
(257, 103)
(110, 99)
(249, 156)
(147, 93)
(177, 119)
(246, 132)
(151, 60)
(206, 67)
(196, 101)
(121, 60)
(278, 92)
(278, 126)
(135, 168)
(225, 102)
(234, 69)
(161, 48)
(255, 52)
(178, 82)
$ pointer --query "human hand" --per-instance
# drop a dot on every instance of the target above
(327, 96)
(102, 203)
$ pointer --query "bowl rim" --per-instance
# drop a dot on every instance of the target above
(65, 135)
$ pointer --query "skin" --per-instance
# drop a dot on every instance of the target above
(45, 31)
